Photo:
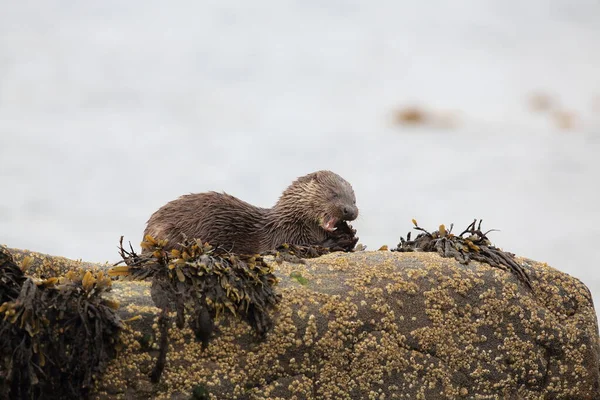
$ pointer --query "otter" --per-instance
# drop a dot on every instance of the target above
(307, 212)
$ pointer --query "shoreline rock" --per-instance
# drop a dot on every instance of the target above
(377, 325)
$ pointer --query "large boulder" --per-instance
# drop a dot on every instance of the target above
(378, 325)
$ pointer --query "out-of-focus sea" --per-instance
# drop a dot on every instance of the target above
(109, 109)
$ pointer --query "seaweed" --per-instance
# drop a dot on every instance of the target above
(58, 334)
(203, 282)
(295, 254)
(200, 393)
(476, 246)
(343, 238)
(11, 277)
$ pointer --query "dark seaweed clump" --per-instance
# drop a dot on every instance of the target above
(204, 282)
(342, 239)
(471, 244)
(57, 334)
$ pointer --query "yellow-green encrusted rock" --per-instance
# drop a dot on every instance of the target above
(379, 325)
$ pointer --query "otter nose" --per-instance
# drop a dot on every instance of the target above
(350, 213)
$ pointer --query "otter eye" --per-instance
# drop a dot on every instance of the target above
(335, 195)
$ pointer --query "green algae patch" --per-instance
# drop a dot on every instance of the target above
(297, 276)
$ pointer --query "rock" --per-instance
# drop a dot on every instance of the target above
(47, 266)
(378, 325)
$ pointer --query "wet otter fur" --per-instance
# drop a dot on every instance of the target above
(305, 214)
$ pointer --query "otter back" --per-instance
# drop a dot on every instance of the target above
(216, 218)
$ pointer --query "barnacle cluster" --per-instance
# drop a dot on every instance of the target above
(203, 282)
(381, 325)
(58, 334)
(476, 246)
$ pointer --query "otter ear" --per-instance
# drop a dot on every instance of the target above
(318, 176)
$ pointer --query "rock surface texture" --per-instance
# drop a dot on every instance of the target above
(379, 325)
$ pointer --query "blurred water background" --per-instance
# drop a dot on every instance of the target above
(109, 109)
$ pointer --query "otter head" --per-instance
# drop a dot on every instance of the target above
(322, 197)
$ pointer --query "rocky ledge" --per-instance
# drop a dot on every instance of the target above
(373, 325)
